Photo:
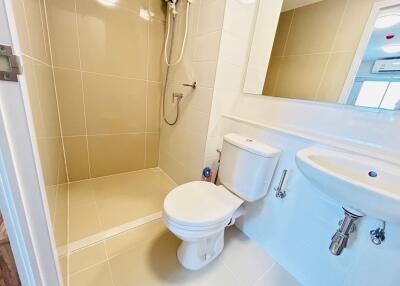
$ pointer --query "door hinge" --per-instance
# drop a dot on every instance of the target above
(10, 66)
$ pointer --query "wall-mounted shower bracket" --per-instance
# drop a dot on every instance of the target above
(192, 85)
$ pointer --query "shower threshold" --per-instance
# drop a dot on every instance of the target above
(104, 207)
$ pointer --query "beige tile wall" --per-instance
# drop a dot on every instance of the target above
(32, 33)
(182, 146)
(107, 63)
(314, 48)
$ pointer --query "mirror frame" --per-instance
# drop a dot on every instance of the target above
(268, 13)
(256, 71)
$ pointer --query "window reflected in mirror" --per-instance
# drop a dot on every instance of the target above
(377, 82)
(316, 54)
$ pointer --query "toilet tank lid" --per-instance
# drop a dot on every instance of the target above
(252, 145)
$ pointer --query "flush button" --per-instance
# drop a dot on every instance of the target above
(372, 174)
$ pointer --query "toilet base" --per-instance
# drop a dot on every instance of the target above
(194, 255)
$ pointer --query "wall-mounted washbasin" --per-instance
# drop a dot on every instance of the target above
(367, 185)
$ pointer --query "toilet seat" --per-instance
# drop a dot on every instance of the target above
(200, 206)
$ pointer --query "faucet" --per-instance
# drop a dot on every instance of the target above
(341, 237)
(177, 95)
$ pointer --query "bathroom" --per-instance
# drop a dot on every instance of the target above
(117, 109)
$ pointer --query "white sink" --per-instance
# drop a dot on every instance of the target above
(369, 186)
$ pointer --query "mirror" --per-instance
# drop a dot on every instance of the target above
(334, 51)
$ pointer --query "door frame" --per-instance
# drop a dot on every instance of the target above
(23, 200)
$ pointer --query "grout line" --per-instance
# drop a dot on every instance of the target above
(147, 89)
(117, 174)
(88, 267)
(165, 173)
(109, 134)
(22, 3)
(53, 219)
(283, 53)
(331, 51)
(233, 274)
(48, 56)
(55, 90)
(112, 232)
(61, 130)
(36, 59)
(68, 233)
(108, 262)
(106, 75)
(264, 273)
(310, 54)
(82, 87)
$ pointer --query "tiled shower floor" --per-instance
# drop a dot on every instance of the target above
(102, 203)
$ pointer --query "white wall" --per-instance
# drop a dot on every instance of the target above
(297, 230)
(231, 68)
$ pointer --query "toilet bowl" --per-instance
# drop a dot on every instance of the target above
(198, 212)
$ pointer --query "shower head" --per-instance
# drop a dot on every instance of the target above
(171, 4)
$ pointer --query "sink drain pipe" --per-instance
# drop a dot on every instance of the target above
(346, 227)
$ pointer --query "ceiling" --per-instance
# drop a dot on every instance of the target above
(292, 4)
(378, 39)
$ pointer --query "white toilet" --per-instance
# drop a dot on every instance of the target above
(198, 212)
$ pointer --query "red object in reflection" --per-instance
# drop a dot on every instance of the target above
(389, 37)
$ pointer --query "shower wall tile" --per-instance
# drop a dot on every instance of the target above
(303, 34)
(182, 146)
(63, 33)
(48, 101)
(70, 96)
(37, 30)
(133, 5)
(283, 29)
(76, 153)
(156, 45)
(355, 16)
(22, 27)
(114, 105)
(111, 154)
(311, 67)
(335, 76)
(108, 77)
(320, 18)
(152, 147)
(29, 70)
(158, 9)
(211, 16)
(206, 47)
(112, 40)
(154, 93)
(50, 151)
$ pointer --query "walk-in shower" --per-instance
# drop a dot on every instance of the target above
(172, 13)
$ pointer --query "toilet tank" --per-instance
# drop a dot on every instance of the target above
(247, 166)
